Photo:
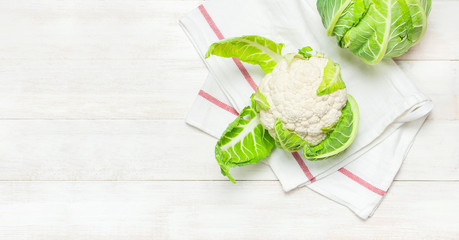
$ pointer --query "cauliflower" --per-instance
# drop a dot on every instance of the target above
(300, 105)
(291, 91)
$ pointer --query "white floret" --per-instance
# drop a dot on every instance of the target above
(290, 90)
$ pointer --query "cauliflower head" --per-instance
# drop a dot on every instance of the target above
(291, 91)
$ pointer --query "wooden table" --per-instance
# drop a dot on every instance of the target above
(93, 143)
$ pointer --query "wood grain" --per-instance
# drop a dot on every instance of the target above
(217, 210)
(167, 150)
(98, 89)
(142, 89)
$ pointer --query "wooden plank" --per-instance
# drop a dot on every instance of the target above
(139, 29)
(95, 29)
(143, 89)
(98, 89)
(167, 150)
(433, 155)
(217, 210)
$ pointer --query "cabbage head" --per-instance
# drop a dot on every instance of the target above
(375, 29)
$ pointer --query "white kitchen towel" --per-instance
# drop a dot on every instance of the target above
(387, 99)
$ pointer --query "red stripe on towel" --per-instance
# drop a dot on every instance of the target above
(303, 166)
(220, 36)
(246, 74)
(211, 22)
(217, 102)
(362, 182)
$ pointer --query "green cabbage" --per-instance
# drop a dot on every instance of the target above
(375, 29)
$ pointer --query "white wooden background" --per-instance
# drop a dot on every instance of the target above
(93, 143)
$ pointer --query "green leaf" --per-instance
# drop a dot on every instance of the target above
(328, 129)
(349, 17)
(250, 49)
(259, 101)
(244, 142)
(340, 138)
(331, 12)
(418, 11)
(375, 29)
(287, 139)
(332, 80)
(289, 57)
(305, 52)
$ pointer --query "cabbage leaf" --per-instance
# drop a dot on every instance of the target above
(375, 29)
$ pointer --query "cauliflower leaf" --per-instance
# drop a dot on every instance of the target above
(340, 138)
(287, 139)
(305, 52)
(250, 49)
(259, 101)
(244, 142)
(332, 80)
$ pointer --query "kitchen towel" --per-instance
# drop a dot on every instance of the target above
(392, 109)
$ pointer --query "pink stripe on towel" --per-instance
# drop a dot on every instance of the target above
(220, 36)
(303, 166)
(362, 182)
(217, 102)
